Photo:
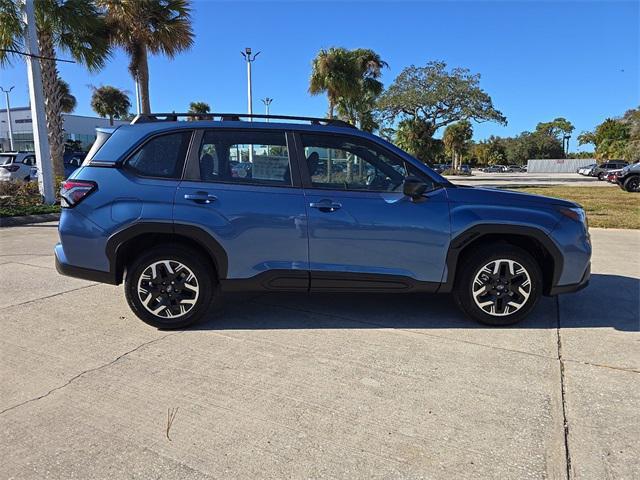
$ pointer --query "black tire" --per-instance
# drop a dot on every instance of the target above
(192, 263)
(508, 298)
(632, 184)
(601, 175)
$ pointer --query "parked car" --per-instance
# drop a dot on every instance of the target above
(611, 175)
(587, 169)
(515, 168)
(151, 209)
(601, 170)
(16, 165)
(629, 178)
(495, 169)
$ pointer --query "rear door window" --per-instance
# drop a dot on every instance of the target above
(161, 157)
(249, 157)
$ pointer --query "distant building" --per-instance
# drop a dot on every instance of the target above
(76, 127)
(558, 165)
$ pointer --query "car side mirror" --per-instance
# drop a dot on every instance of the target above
(413, 187)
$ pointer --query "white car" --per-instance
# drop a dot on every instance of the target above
(16, 166)
(586, 170)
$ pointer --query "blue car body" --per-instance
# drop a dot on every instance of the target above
(266, 237)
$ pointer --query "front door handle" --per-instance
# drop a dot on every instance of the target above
(200, 197)
(326, 205)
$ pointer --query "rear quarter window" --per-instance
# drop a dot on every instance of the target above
(161, 157)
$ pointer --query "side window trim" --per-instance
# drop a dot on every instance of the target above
(124, 163)
(192, 165)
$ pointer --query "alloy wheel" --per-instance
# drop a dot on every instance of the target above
(501, 287)
(168, 289)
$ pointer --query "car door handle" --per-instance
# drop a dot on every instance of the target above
(200, 197)
(326, 205)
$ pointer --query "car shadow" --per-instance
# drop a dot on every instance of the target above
(584, 309)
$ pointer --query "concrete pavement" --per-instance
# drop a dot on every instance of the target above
(342, 386)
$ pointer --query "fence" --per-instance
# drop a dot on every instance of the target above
(558, 165)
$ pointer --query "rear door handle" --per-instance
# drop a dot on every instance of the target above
(200, 197)
(326, 205)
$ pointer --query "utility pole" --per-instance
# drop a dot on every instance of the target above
(6, 93)
(267, 102)
(249, 59)
(40, 139)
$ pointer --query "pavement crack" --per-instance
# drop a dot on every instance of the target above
(84, 372)
(563, 392)
(50, 296)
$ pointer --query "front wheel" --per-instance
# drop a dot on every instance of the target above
(499, 285)
(632, 184)
(170, 286)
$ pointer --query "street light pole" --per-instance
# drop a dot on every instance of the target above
(38, 119)
(267, 101)
(6, 93)
(249, 58)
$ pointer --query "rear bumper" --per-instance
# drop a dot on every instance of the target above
(574, 287)
(69, 270)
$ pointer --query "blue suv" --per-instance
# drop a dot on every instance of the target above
(183, 211)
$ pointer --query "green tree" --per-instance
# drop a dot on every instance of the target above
(558, 127)
(414, 136)
(68, 102)
(489, 152)
(456, 140)
(141, 27)
(438, 97)
(432, 97)
(350, 80)
(199, 107)
(356, 105)
(610, 138)
(75, 27)
(110, 102)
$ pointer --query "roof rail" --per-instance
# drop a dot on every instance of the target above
(234, 117)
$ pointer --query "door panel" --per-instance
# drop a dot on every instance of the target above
(379, 233)
(360, 222)
(244, 196)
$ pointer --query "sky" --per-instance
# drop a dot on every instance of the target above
(537, 60)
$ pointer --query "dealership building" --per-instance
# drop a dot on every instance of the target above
(76, 127)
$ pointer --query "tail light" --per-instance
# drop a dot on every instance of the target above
(12, 168)
(73, 192)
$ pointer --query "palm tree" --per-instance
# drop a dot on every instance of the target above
(111, 102)
(333, 72)
(75, 27)
(68, 102)
(141, 27)
(199, 107)
(456, 140)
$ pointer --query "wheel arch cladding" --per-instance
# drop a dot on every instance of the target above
(530, 239)
(126, 243)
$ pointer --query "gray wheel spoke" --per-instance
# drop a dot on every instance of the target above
(168, 289)
(501, 287)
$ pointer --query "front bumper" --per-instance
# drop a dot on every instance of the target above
(69, 270)
(574, 287)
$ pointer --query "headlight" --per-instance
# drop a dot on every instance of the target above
(576, 213)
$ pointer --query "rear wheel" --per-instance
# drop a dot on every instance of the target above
(498, 285)
(632, 184)
(601, 175)
(170, 286)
